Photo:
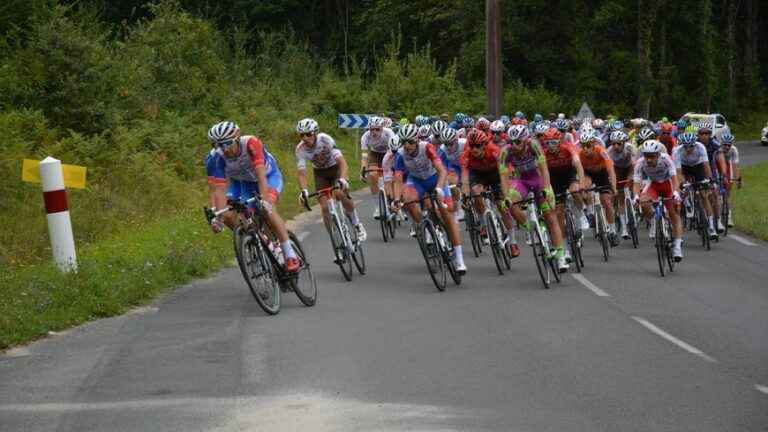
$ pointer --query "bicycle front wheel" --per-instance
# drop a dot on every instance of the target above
(383, 216)
(573, 243)
(493, 236)
(433, 257)
(262, 279)
(304, 284)
(540, 256)
(474, 231)
(340, 251)
(602, 230)
(660, 246)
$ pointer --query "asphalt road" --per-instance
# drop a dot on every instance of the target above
(616, 349)
(751, 152)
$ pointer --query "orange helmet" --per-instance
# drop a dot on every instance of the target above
(552, 134)
(476, 137)
(666, 128)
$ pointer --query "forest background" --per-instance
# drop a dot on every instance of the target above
(128, 89)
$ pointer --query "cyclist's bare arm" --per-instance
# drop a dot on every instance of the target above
(343, 167)
(579, 171)
(302, 178)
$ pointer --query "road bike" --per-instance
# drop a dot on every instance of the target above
(663, 237)
(473, 225)
(695, 213)
(573, 235)
(543, 252)
(601, 223)
(261, 261)
(388, 220)
(630, 213)
(497, 241)
(347, 247)
(432, 237)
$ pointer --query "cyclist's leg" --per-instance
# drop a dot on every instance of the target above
(234, 191)
(606, 197)
(324, 179)
(374, 162)
(413, 190)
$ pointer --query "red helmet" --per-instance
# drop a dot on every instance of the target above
(666, 128)
(552, 134)
(483, 124)
(476, 136)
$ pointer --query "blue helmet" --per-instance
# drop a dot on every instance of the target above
(682, 124)
(538, 117)
(421, 120)
(504, 119)
(617, 125)
(459, 117)
(687, 139)
(727, 138)
(520, 115)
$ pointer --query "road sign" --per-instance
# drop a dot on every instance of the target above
(585, 112)
(354, 121)
(74, 176)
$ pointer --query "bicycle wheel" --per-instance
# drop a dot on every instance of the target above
(725, 212)
(702, 225)
(551, 259)
(383, 216)
(632, 224)
(446, 251)
(261, 277)
(474, 231)
(570, 232)
(668, 248)
(304, 283)
(392, 224)
(431, 253)
(358, 255)
(495, 242)
(540, 256)
(660, 246)
(602, 234)
(340, 251)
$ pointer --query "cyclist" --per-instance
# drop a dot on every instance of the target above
(623, 155)
(425, 173)
(565, 175)
(667, 138)
(450, 152)
(328, 167)
(498, 133)
(458, 121)
(692, 162)
(425, 133)
(435, 130)
(563, 126)
(598, 170)
(716, 164)
(659, 168)
(374, 145)
(643, 135)
(732, 169)
(240, 168)
(484, 125)
(480, 170)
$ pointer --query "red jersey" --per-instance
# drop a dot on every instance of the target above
(597, 161)
(669, 142)
(563, 159)
(489, 161)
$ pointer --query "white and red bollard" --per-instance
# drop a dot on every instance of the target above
(59, 223)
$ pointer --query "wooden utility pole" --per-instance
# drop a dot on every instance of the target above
(493, 84)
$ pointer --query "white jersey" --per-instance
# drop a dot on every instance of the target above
(388, 166)
(453, 157)
(732, 156)
(380, 145)
(663, 171)
(622, 158)
(421, 165)
(684, 157)
(323, 155)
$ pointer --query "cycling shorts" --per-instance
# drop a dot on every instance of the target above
(600, 179)
(561, 179)
(245, 190)
(696, 172)
(425, 186)
(623, 174)
(655, 190)
(519, 188)
(489, 179)
(326, 177)
(375, 158)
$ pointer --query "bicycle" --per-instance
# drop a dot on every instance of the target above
(493, 227)
(601, 224)
(630, 213)
(698, 219)
(573, 235)
(347, 247)
(433, 242)
(261, 261)
(540, 242)
(663, 238)
(473, 227)
(387, 219)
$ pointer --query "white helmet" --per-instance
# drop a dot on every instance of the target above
(223, 131)
(448, 135)
(307, 125)
(438, 127)
(387, 122)
(408, 132)
(586, 136)
(652, 146)
(497, 126)
(375, 122)
(394, 143)
(517, 132)
(424, 131)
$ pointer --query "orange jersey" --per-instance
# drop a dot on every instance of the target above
(596, 161)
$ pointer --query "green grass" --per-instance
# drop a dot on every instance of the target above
(750, 207)
(749, 127)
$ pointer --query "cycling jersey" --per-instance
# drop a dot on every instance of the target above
(595, 161)
(663, 171)
(695, 156)
(487, 163)
(240, 171)
(252, 155)
(452, 158)
(669, 142)
(563, 158)
(322, 155)
(622, 158)
(378, 145)
(420, 166)
(521, 165)
(713, 147)
(388, 165)
(732, 155)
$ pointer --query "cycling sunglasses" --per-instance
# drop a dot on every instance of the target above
(410, 141)
(474, 146)
(375, 129)
(516, 142)
(551, 143)
(225, 144)
(306, 134)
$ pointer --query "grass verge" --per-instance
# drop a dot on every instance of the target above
(749, 127)
(750, 207)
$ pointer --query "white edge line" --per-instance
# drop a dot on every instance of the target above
(590, 286)
(741, 240)
(302, 235)
(761, 389)
(691, 349)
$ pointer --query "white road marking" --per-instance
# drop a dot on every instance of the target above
(17, 352)
(761, 389)
(590, 286)
(741, 239)
(302, 235)
(690, 348)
